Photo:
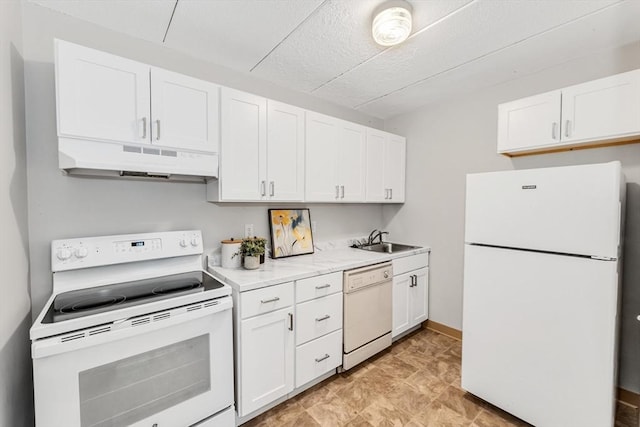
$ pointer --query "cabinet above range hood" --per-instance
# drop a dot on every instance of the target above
(121, 118)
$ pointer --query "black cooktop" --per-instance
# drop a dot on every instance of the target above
(85, 302)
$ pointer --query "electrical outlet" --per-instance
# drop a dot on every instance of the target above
(314, 226)
(248, 230)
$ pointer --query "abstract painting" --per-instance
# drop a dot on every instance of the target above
(290, 232)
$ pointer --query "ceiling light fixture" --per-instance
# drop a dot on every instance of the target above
(391, 22)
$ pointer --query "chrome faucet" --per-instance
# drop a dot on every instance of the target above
(375, 234)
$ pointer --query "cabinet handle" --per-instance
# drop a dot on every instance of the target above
(342, 191)
(413, 280)
(325, 317)
(337, 191)
(290, 321)
(263, 190)
(144, 128)
(567, 128)
(266, 301)
(325, 357)
(272, 188)
(327, 285)
(391, 194)
(157, 130)
(554, 129)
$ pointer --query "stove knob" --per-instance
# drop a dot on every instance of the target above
(195, 241)
(63, 254)
(81, 252)
(183, 243)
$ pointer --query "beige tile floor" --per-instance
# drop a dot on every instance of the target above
(414, 383)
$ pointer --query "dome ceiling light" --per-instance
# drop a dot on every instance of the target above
(391, 22)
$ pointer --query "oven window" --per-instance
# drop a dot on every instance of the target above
(132, 389)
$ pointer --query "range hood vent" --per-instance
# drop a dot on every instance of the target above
(116, 160)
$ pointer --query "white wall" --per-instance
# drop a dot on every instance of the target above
(449, 140)
(15, 308)
(62, 207)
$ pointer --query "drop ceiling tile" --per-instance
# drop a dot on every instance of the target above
(235, 33)
(336, 39)
(147, 20)
(614, 26)
(480, 29)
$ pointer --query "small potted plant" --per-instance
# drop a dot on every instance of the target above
(251, 249)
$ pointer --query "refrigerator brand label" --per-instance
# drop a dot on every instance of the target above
(528, 187)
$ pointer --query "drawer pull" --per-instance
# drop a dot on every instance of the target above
(266, 301)
(325, 317)
(325, 286)
(325, 357)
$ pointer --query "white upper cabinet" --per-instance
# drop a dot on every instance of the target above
(529, 122)
(603, 110)
(335, 160)
(105, 97)
(185, 111)
(243, 161)
(386, 164)
(285, 152)
(262, 150)
(322, 151)
(352, 162)
(101, 96)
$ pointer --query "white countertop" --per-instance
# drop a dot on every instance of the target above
(275, 271)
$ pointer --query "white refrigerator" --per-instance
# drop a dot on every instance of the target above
(541, 278)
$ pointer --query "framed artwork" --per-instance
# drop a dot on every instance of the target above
(290, 231)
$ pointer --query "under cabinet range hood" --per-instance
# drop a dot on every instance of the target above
(109, 159)
(118, 117)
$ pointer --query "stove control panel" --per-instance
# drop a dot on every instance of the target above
(71, 254)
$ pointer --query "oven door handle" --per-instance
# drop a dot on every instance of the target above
(123, 329)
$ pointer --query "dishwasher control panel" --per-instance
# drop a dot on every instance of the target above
(366, 276)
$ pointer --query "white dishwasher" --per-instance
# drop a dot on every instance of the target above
(367, 312)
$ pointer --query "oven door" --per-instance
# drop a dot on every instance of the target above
(165, 369)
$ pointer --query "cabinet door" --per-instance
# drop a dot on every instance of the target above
(101, 96)
(419, 308)
(285, 152)
(375, 189)
(602, 109)
(321, 153)
(185, 111)
(394, 168)
(266, 359)
(243, 146)
(401, 303)
(352, 161)
(529, 123)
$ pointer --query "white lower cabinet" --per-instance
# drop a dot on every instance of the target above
(266, 363)
(410, 292)
(318, 357)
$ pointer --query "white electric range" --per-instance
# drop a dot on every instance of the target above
(135, 334)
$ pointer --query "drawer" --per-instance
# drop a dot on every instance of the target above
(410, 263)
(318, 286)
(266, 299)
(318, 317)
(318, 357)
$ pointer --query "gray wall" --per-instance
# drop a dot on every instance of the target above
(449, 140)
(62, 207)
(16, 407)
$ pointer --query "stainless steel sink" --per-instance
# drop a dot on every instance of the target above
(388, 247)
